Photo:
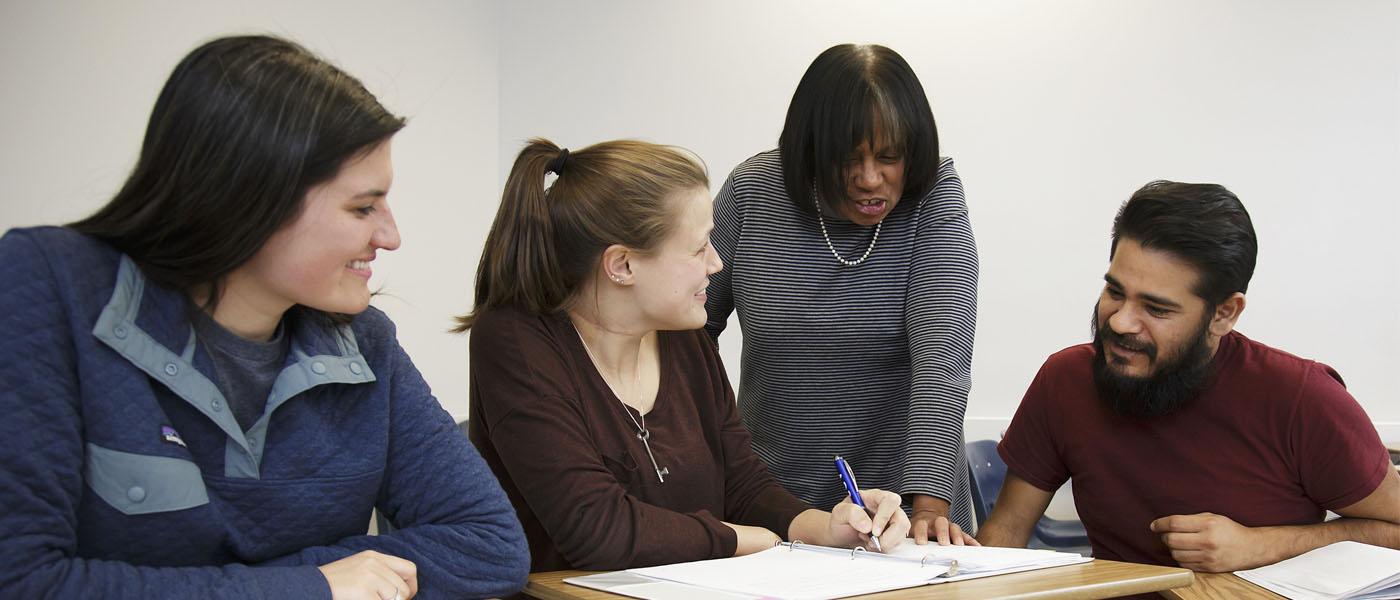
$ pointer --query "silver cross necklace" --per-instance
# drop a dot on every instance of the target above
(643, 433)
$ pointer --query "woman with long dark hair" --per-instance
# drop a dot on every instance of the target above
(199, 401)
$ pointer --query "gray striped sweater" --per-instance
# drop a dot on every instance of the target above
(871, 362)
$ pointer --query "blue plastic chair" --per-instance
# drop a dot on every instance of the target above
(988, 472)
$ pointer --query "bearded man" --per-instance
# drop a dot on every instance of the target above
(1185, 441)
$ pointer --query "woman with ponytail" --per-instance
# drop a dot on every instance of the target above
(595, 396)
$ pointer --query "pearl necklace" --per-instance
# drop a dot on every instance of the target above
(643, 433)
(844, 261)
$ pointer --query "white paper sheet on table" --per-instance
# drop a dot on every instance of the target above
(810, 572)
(1349, 570)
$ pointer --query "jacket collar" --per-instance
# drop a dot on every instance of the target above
(149, 326)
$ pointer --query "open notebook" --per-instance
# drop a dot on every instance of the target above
(799, 571)
(1349, 570)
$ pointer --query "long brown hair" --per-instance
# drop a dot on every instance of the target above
(544, 242)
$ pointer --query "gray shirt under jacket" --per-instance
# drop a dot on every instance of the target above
(245, 369)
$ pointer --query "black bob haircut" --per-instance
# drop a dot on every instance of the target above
(243, 128)
(848, 95)
(1203, 224)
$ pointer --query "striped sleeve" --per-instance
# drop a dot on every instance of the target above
(941, 318)
(719, 295)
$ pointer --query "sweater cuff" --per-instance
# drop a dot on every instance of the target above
(723, 539)
(293, 582)
(728, 541)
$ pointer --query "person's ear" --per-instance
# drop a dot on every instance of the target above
(617, 265)
(1226, 314)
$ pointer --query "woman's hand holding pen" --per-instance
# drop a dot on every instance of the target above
(849, 525)
(852, 525)
(874, 515)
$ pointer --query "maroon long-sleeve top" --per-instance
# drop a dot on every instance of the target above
(569, 458)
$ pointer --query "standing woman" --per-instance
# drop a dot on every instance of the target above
(854, 271)
(198, 400)
(596, 397)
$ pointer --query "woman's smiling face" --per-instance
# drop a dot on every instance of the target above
(671, 279)
(322, 258)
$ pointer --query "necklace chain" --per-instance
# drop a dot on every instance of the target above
(643, 433)
(827, 237)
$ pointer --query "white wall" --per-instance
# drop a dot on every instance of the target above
(1055, 111)
(80, 77)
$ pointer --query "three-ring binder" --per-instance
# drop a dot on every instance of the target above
(927, 560)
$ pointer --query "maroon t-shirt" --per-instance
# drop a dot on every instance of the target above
(1273, 440)
(569, 459)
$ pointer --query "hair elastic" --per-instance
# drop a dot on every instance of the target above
(556, 166)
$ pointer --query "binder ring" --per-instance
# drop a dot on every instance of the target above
(855, 550)
(794, 545)
(952, 565)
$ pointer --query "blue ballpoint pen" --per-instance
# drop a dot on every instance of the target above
(848, 477)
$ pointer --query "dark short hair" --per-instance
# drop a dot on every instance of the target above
(243, 128)
(1203, 224)
(848, 93)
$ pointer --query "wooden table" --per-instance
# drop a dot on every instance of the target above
(1219, 586)
(1084, 581)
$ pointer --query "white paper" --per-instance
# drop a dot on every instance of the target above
(1340, 570)
(975, 559)
(637, 586)
(814, 572)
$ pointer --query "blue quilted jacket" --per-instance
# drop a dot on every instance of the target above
(124, 475)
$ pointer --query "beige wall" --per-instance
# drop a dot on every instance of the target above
(1055, 112)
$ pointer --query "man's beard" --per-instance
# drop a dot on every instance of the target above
(1172, 386)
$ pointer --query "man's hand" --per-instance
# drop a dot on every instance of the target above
(1210, 543)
